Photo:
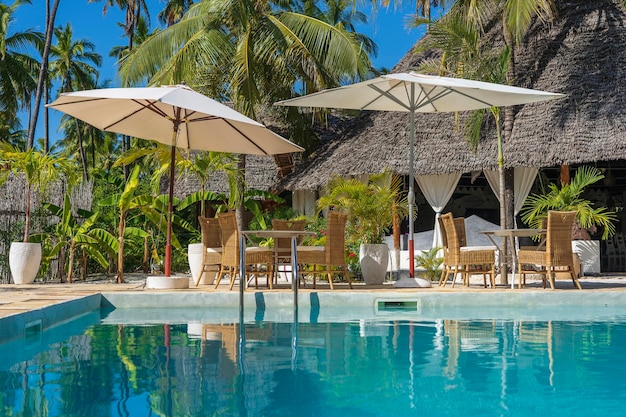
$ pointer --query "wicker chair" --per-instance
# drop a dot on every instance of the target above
(557, 252)
(446, 267)
(282, 246)
(255, 256)
(212, 245)
(333, 254)
(467, 260)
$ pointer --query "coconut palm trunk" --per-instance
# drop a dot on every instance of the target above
(43, 72)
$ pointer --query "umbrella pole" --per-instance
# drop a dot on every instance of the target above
(411, 196)
(170, 209)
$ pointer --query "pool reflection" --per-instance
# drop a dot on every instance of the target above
(351, 368)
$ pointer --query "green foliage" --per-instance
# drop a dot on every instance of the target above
(317, 225)
(370, 205)
(39, 170)
(567, 197)
(70, 234)
(352, 260)
(431, 262)
(146, 210)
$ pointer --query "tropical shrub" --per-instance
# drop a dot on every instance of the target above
(568, 197)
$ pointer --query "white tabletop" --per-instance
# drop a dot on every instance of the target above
(515, 232)
(276, 233)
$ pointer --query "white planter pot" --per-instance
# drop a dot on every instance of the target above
(24, 261)
(374, 260)
(194, 256)
(589, 253)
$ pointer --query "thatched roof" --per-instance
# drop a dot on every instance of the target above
(262, 172)
(580, 54)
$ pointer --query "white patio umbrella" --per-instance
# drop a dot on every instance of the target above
(176, 116)
(412, 92)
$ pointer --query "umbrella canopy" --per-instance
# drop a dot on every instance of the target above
(176, 116)
(419, 93)
(154, 113)
(565, 55)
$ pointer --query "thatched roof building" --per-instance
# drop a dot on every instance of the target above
(580, 54)
(262, 173)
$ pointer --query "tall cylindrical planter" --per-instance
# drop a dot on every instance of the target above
(194, 255)
(24, 261)
(374, 260)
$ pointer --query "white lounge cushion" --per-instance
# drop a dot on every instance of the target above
(310, 248)
(471, 248)
(257, 249)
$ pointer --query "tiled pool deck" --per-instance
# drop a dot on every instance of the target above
(51, 303)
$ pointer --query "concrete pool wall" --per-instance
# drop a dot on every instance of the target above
(151, 307)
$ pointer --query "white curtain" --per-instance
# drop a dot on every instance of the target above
(303, 201)
(524, 177)
(438, 189)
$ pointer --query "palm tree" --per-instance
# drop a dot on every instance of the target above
(252, 53)
(142, 32)
(39, 171)
(461, 38)
(515, 18)
(16, 67)
(205, 165)
(74, 61)
(135, 9)
(464, 55)
(174, 11)
(567, 197)
(75, 64)
(43, 70)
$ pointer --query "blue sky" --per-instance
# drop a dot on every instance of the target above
(387, 28)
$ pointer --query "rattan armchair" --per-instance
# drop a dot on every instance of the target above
(446, 267)
(557, 255)
(282, 246)
(466, 260)
(212, 245)
(331, 257)
(256, 257)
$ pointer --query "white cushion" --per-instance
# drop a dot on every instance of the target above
(257, 249)
(214, 250)
(471, 248)
(310, 248)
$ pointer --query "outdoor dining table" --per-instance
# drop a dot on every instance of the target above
(512, 234)
(277, 234)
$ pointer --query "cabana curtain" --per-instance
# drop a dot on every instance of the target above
(524, 177)
(438, 190)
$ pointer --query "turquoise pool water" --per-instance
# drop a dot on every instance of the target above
(98, 365)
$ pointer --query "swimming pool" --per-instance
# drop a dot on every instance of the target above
(184, 362)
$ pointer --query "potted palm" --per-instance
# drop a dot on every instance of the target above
(371, 206)
(567, 197)
(38, 170)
